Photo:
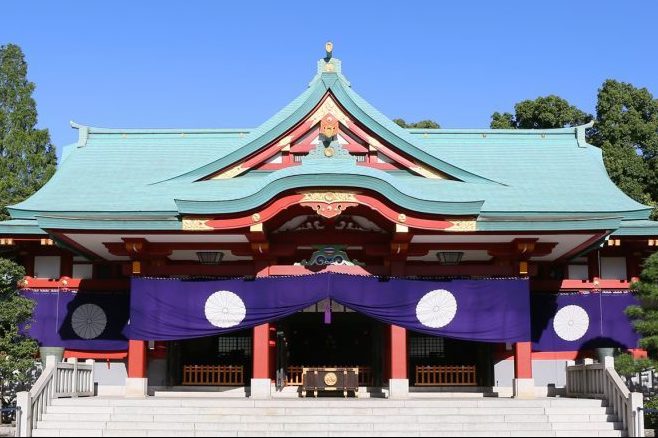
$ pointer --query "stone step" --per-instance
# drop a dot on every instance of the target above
(226, 402)
(349, 417)
(213, 416)
(319, 433)
(311, 411)
(580, 418)
(325, 423)
(588, 426)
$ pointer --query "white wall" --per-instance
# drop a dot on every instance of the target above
(613, 268)
(578, 272)
(83, 271)
(47, 266)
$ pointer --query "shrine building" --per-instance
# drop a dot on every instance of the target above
(329, 236)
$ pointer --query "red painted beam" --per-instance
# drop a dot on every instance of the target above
(75, 283)
(598, 284)
(392, 214)
(96, 355)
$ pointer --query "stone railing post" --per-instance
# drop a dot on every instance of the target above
(569, 378)
(74, 380)
(51, 363)
(636, 415)
(588, 385)
(24, 423)
(92, 377)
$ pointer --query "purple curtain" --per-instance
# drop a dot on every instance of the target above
(79, 321)
(574, 322)
(480, 310)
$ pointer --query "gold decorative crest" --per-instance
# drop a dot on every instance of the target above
(329, 197)
(330, 379)
(196, 224)
(329, 107)
(463, 225)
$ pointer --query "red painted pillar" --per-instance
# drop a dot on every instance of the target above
(137, 361)
(398, 352)
(523, 360)
(261, 352)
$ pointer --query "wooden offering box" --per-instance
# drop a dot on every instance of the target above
(330, 379)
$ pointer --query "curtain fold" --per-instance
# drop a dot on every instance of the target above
(479, 310)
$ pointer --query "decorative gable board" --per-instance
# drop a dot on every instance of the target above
(330, 132)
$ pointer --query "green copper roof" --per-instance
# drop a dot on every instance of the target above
(510, 179)
(20, 227)
(637, 228)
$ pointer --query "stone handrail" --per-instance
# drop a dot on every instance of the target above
(66, 379)
(600, 380)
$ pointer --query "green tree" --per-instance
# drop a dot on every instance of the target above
(27, 161)
(423, 124)
(542, 113)
(502, 121)
(27, 157)
(626, 129)
(645, 315)
(17, 352)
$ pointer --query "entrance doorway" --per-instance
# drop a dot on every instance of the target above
(349, 340)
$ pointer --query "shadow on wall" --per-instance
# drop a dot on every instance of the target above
(95, 321)
(542, 307)
(599, 347)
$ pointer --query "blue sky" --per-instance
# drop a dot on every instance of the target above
(233, 64)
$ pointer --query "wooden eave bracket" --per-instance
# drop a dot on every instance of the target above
(258, 240)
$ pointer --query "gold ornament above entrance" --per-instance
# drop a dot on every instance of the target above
(329, 204)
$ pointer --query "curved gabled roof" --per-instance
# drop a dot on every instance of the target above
(518, 176)
(293, 113)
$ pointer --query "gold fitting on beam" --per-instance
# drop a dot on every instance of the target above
(401, 228)
(523, 268)
(137, 267)
(6, 242)
(47, 242)
(525, 247)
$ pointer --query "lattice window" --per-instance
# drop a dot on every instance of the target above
(229, 346)
(426, 347)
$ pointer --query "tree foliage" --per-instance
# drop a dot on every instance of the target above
(17, 352)
(27, 157)
(541, 113)
(645, 315)
(626, 129)
(627, 366)
(27, 161)
(423, 124)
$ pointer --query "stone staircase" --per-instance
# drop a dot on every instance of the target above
(190, 416)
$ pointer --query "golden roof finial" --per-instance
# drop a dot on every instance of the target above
(329, 47)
